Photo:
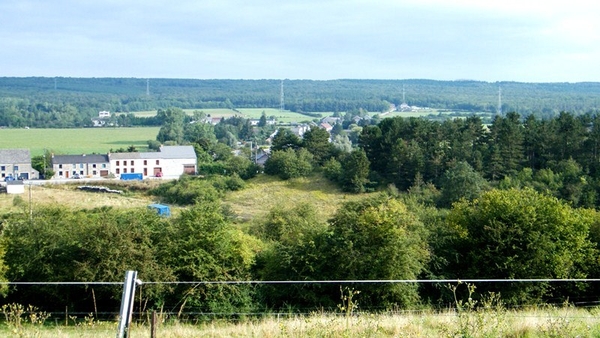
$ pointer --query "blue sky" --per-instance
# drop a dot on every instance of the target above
(527, 41)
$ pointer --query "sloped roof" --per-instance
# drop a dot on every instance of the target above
(125, 156)
(166, 152)
(172, 152)
(68, 159)
(15, 156)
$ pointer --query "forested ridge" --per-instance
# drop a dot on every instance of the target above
(73, 101)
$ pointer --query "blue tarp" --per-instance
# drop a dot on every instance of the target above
(161, 209)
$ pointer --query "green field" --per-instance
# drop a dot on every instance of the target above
(76, 141)
(285, 116)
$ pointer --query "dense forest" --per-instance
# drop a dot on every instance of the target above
(72, 102)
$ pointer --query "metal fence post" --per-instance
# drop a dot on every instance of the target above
(127, 303)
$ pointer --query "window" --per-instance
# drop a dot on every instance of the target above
(60, 166)
(3, 175)
(80, 165)
(131, 162)
(81, 172)
(118, 171)
(94, 173)
(103, 165)
(16, 168)
(94, 165)
(2, 168)
(124, 170)
(145, 162)
(117, 162)
(157, 162)
(60, 173)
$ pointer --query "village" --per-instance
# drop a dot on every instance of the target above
(168, 162)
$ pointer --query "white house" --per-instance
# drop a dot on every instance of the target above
(169, 161)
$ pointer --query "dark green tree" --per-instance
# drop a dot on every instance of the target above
(201, 245)
(289, 163)
(522, 234)
(461, 181)
(285, 139)
(378, 238)
(316, 141)
(355, 171)
(173, 125)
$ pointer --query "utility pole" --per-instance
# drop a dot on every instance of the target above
(499, 111)
(281, 99)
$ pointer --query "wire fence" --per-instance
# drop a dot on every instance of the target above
(192, 314)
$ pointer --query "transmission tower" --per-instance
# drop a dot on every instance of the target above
(499, 111)
(281, 100)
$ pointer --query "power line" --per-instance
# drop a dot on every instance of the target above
(344, 281)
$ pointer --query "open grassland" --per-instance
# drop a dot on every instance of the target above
(567, 322)
(265, 192)
(77, 141)
(256, 200)
(67, 195)
(214, 112)
(285, 116)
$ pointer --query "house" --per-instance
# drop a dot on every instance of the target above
(77, 166)
(331, 120)
(101, 120)
(104, 114)
(326, 126)
(300, 129)
(262, 155)
(16, 163)
(169, 161)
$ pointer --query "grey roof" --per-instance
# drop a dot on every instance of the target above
(125, 156)
(68, 159)
(15, 156)
(166, 152)
(177, 152)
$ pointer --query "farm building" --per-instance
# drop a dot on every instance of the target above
(16, 163)
(169, 161)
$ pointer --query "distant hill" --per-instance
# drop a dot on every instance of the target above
(87, 95)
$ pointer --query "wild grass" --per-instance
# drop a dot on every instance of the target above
(264, 192)
(69, 196)
(77, 141)
(558, 322)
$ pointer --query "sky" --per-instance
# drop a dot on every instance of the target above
(524, 41)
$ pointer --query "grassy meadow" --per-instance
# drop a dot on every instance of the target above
(560, 322)
(76, 141)
(249, 113)
(264, 192)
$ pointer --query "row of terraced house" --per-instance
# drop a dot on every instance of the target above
(169, 161)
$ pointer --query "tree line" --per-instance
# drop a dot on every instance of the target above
(72, 102)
